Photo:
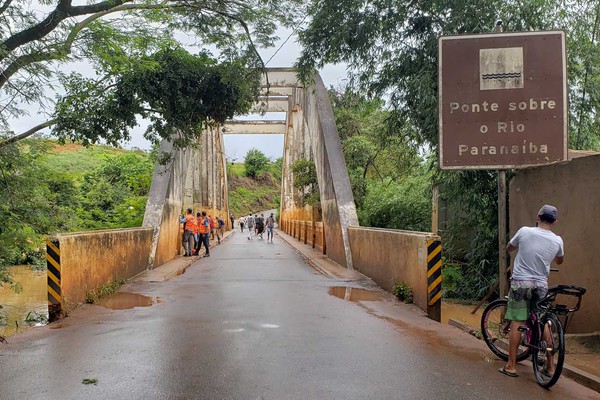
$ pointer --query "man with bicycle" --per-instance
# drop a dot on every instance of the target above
(537, 248)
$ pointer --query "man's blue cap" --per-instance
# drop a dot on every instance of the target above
(549, 211)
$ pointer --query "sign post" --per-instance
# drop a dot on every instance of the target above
(502, 264)
(502, 105)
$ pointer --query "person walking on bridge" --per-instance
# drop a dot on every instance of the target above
(232, 220)
(189, 229)
(242, 222)
(250, 223)
(270, 226)
(259, 222)
(220, 229)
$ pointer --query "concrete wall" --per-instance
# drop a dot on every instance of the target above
(165, 202)
(388, 256)
(574, 188)
(196, 178)
(92, 259)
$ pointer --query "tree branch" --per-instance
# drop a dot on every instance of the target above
(247, 30)
(63, 10)
(64, 49)
(26, 134)
(5, 6)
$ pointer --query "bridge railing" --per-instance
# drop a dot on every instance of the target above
(308, 232)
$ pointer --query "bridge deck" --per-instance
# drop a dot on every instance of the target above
(254, 321)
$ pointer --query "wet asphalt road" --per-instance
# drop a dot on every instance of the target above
(253, 321)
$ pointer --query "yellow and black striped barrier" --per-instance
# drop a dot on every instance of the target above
(434, 279)
(54, 279)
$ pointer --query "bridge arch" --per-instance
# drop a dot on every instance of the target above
(197, 176)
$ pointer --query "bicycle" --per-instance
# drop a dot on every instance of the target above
(542, 335)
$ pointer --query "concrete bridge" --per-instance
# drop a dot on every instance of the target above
(196, 177)
(256, 321)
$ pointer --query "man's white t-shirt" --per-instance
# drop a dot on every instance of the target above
(537, 249)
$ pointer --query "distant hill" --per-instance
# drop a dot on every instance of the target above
(248, 195)
(76, 160)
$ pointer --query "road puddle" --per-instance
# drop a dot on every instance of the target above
(126, 301)
(19, 311)
(355, 295)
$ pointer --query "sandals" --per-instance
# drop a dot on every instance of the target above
(507, 373)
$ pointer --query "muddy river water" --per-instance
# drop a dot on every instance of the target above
(30, 301)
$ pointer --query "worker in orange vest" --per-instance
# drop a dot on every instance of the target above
(204, 232)
(190, 228)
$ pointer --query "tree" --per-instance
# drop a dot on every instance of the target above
(583, 21)
(34, 44)
(305, 180)
(255, 163)
(391, 48)
(28, 207)
(176, 91)
(371, 148)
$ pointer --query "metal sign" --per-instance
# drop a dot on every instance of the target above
(502, 100)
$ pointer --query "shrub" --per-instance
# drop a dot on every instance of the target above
(403, 292)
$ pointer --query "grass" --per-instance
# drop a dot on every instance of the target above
(93, 296)
(76, 160)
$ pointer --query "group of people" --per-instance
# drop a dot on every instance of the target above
(257, 225)
(199, 230)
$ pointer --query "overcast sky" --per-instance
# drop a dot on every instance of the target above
(236, 146)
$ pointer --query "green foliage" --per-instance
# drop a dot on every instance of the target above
(109, 288)
(117, 37)
(403, 292)
(471, 231)
(114, 195)
(42, 193)
(392, 50)
(305, 180)
(582, 22)
(27, 209)
(255, 163)
(277, 168)
(175, 90)
(398, 205)
(374, 150)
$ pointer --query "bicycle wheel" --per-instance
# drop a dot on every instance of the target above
(549, 354)
(495, 329)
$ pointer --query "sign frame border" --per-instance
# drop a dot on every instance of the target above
(441, 39)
